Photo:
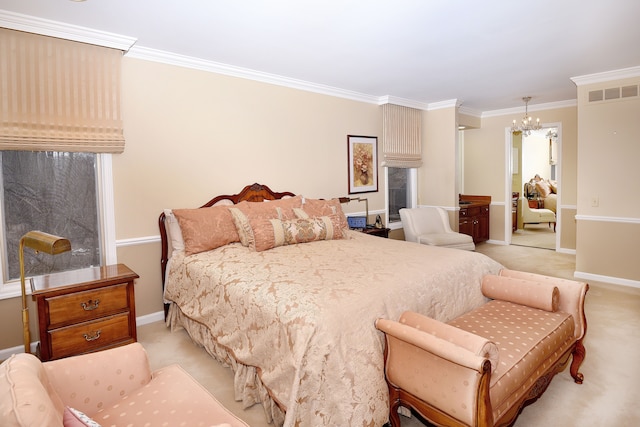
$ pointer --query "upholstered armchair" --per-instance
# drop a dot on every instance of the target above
(536, 216)
(430, 226)
(110, 387)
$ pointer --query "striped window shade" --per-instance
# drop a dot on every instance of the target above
(401, 140)
(59, 95)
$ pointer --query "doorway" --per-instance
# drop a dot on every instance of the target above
(534, 174)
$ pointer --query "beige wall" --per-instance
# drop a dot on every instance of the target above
(608, 153)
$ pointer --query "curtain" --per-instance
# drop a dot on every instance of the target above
(401, 136)
(59, 95)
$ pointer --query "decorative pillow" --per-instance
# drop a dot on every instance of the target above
(544, 296)
(318, 207)
(205, 229)
(246, 215)
(543, 188)
(271, 233)
(554, 186)
(74, 418)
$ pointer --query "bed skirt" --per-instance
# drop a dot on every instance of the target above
(247, 385)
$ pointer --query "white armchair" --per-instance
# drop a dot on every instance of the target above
(536, 216)
(430, 226)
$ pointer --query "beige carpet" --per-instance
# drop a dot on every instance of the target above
(535, 235)
(608, 396)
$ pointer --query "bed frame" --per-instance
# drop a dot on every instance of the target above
(251, 193)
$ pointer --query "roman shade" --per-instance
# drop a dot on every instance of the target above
(59, 95)
(401, 140)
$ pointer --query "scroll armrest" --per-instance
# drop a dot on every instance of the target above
(443, 374)
(103, 377)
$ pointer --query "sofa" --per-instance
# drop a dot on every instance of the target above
(482, 367)
(542, 190)
(114, 387)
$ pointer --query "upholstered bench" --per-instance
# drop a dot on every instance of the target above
(481, 368)
(114, 387)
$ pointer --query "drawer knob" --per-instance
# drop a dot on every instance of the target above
(90, 305)
(92, 336)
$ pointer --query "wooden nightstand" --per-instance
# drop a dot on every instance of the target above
(381, 232)
(86, 310)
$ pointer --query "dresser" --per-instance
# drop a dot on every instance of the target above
(474, 218)
(85, 310)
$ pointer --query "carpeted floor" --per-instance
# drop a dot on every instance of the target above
(535, 235)
(608, 396)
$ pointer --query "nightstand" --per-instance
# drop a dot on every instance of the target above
(381, 232)
(85, 310)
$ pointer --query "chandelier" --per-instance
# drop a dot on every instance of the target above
(526, 126)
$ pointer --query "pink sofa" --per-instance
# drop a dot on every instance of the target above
(112, 387)
(481, 368)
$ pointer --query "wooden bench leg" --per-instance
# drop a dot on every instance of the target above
(394, 404)
(579, 353)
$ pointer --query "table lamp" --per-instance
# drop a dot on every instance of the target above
(358, 199)
(39, 242)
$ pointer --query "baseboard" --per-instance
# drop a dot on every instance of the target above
(607, 279)
(141, 320)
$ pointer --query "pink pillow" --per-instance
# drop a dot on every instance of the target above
(205, 229)
(248, 215)
(319, 207)
(540, 295)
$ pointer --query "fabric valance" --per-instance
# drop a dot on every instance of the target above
(59, 95)
(401, 136)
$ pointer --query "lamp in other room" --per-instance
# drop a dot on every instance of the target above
(527, 125)
(358, 199)
(39, 242)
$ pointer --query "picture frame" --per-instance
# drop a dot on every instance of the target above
(362, 160)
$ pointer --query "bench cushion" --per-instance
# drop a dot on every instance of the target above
(529, 340)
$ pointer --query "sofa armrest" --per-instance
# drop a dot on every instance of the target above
(572, 296)
(91, 381)
(447, 376)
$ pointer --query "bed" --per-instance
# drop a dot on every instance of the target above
(295, 321)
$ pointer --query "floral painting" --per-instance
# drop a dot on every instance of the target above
(363, 164)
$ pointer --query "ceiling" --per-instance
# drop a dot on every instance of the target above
(486, 54)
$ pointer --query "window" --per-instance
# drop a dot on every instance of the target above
(401, 191)
(55, 192)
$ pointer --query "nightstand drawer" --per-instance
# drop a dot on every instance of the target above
(89, 336)
(88, 305)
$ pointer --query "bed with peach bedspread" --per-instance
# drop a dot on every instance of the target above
(296, 322)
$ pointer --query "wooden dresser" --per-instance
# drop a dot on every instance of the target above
(474, 217)
(86, 310)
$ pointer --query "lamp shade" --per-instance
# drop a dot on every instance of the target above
(40, 242)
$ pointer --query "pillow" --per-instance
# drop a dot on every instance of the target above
(554, 186)
(544, 296)
(543, 188)
(271, 233)
(74, 418)
(246, 215)
(205, 229)
(174, 234)
(318, 207)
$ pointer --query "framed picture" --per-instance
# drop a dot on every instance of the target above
(362, 163)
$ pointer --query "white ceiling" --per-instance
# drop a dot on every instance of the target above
(486, 54)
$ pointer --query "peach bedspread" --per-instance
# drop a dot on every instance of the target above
(296, 323)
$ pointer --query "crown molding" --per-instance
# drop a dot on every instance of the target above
(537, 107)
(164, 57)
(390, 99)
(606, 76)
(45, 27)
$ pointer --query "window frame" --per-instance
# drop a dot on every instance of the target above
(412, 185)
(106, 221)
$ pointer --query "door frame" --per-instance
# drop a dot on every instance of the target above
(508, 180)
